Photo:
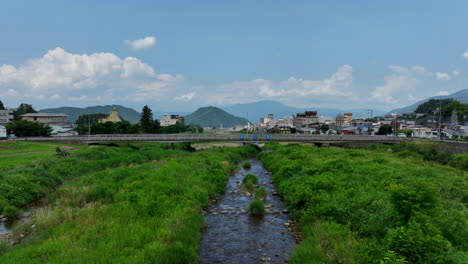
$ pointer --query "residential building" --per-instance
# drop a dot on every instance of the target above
(113, 117)
(47, 118)
(169, 120)
(306, 118)
(3, 132)
(62, 131)
(6, 116)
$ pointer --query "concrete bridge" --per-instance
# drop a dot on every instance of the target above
(116, 138)
(319, 140)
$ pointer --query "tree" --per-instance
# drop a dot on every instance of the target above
(146, 120)
(24, 128)
(324, 128)
(385, 130)
(2, 107)
(90, 118)
(23, 109)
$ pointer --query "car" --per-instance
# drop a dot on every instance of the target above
(401, 135)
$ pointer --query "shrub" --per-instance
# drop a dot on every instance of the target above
(11, 211)
(261, 193)
(256, 207)
(249, 186)
(247, 165)
(250, 178)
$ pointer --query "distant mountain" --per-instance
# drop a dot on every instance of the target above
(461, 96)
(129, 114)
(260, 109)
(213, 117)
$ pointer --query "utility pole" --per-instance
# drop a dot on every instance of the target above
(89, 125)
(440, 120)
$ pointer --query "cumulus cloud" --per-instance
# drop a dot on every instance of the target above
(442, 76)
(142, 43)
(185, 97)
(82, 77)
(401, 79)
(294, 89)
(465, 55)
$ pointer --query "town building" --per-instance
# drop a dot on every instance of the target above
(306, 118)
(113, 117)
(6, 116)
(169, 120)
(47, 118)
(3, 132)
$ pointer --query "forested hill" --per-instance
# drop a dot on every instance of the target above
(431, 108)
(213, 117)
(129, 114)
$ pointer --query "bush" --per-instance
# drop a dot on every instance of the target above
(247, 165)
(250, 178)
(256, 207)
(261, 193)
(11, 211)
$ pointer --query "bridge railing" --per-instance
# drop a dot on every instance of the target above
(215, 137)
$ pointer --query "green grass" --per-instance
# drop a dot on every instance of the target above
(261, 193)
(250, 178)
(360, 206)
(148, 213)
(256, 207)
(22, 159)
(247, 165)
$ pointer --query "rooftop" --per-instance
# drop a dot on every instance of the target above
(43, 115)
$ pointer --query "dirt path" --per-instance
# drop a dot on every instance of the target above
(232, 235)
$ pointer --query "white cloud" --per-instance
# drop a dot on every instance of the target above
(142, 43)
(465, 55)
(412, 98)
(185, 97)
(61, 74)
(294, 90)
(401, 79)
(455, 73)
(441, 93)
(442, 76)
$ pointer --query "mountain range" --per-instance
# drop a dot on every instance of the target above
(213, 117)
(257, 110)
(129, 114)
(461, 96)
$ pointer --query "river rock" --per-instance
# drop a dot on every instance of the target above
(285, 212)
(244, 211)
(286, 224)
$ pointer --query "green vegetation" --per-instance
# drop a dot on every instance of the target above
(148, 213)
(256, 207)
(11, 211)
(89, 118)
(247, 165)
(23, 109)
(360, 206)
(213, 117)
(15, 147)
(261, 193)
(24, 128)
(385, 130)
(430, 109)
(250, 178)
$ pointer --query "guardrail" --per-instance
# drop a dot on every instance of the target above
(217, 137)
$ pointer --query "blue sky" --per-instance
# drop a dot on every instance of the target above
(341, 54)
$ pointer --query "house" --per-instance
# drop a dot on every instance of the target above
(423, 132)
(6, 116)
(47, 118)
(113, 117)
(306, 118)
(169, 120)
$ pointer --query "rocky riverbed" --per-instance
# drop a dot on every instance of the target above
(232, 235)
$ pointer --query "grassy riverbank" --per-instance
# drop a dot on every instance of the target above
(128, 213)
(360, 206)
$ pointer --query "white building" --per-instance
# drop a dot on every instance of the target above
(6, 116)
(169, 120)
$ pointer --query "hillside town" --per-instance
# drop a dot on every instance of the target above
(307, 122)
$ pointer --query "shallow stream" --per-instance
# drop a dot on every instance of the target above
(232, 235)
